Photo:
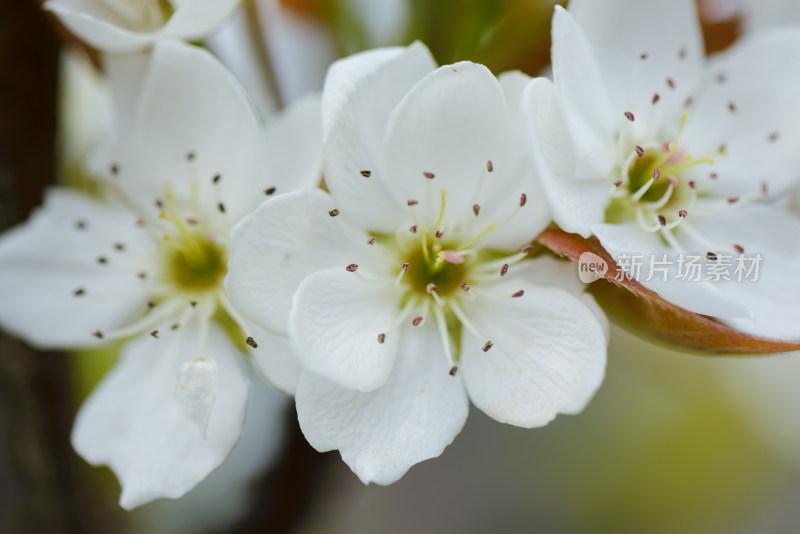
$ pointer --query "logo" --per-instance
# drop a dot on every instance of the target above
(591, 267)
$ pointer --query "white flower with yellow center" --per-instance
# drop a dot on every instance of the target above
(643, 142)
(149, 267)
(129, 25)
(410, 288)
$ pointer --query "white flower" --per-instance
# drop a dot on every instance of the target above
(129, 25)
(150, 266)
(409, 287)
(644, 143)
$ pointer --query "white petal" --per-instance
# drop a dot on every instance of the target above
(45, 261)
(575, 204)
(360, 92)
(98, 25)
(760, 135)
(195, 19)
(588, 110)
(620, 31)
(190, 104)
(277, 246)
(275, 360)
(451, 125)
(334, 325)
(137, 421)
(381, 434)
(549, 354)
(197, 389)
(293, 146)
(629, 240)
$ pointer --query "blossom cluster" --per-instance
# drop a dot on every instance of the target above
(411, 284)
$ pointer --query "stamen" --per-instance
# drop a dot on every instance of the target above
(366, 174)
(429, 175)
(662, 220)
(442, 324)
(403, 270)
(269, 191)
(467, 245)
(413, 229)
(114, 169)
(488, 345)
(639, 151)
(465, 287)
(216, 178)
(476, 209)
(453, 370)
(371, 240)
(656, 98)
(711, 256)
(221, 207)
(98, 334)
(490, 166)
(430, 288)
(504, 269)
(252, 342)
(79, 292)
(334, 212)
(671, 83)
(738, 248)
(381, 338)
(629, 116)
(352, 268)
(417, 320)
(154, 333)
(441, 213)
(523, 199)
(518, 294)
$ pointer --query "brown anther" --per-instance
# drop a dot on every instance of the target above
(429, 175)
(405, 267)
(629, 116)
(417, 320)
(488, 345)
(682, 214)
(764, 188)
(721, 78)
(190, 156)
(381, 338)
(154, 333)
(731, 107)
(643, 56)
(713, 175)
(252, 342)
(738, 248)
(371, 240)
(476, 209)
(723, 148)
(682, 53)
(639, 151)
(413, 229)
(193, 304)
(453, 370)
(366, 174)
(191, 221)
(523, 199)
(688, 102)
(140, 222)
(518, 294)
(334, 212)
(159, 203)
(80, 225)
(773, 137)
(102, 260)
(656, 174)
(671, 83)
(221, 207)
(733, 200)
(711, 256)
(618, 183)
(526, 249)
(489, 166)
(412, 202)
(430, 288)
(656, 98)
(114, 169)
(269, 191)
(662, 220)
(465, 286)
(151, 304)
(504, 269)
(692, 184)
(352, 268)
(216, 178)
(78, 292)
(142, 275)
(98, 334)
(119, 246)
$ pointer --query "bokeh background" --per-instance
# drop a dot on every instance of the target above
(672, 442)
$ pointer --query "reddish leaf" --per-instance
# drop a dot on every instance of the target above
(642, 311)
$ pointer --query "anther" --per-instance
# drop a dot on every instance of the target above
(381, 338)
(405, 267)
(504, 269)
(193, 304)
(643, 56)
(371, 240)
(453, 370)
(175, 326)
(191, 221)
(711, 256)
(523, 199)
(252, 342)
(216, 178)
(429, 175)
(629, 116)
(662, 220)
(656, 174)
(159, 203)
(154, 333)
(682, 53)
(764, 188)
(476, 209)
(151, 304)
(439, 234)
(639, 151)
(692, 184)
(723, 149)
(430, 288)
(738, 248)
(526, 249)
(190, 156)
(412, 202)
(490, 166)
(671, 83)
(366, 174)
(731, 107)
(221, 207)
(269, 191)
(733, 200)
(682, 214)
(688, 102)
(773, 137)
(618, 183)
(721, 78)
(713, 176)
(98, 334)
(80, 225)
(488, 345)
(352, 267)
(334, 212)
(518, 294)
(413, 229)
(78, 292)
(656, 98)
(142, 275)
(417, 320)
(102, 260)
(465, 286)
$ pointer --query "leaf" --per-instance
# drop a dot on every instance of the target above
(643, 312)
